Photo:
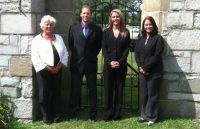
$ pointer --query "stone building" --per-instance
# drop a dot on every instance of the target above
(179, 24)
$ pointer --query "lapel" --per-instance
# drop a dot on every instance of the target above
(90, 30)
(81, 31)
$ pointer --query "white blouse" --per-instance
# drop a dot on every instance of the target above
(42, 52)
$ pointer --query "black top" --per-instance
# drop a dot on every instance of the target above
(55, 55)
(115, 49)
(149, 56)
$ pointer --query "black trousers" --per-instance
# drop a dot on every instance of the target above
(149, 93)
(114, 82)
(75, 96)
(49, 94)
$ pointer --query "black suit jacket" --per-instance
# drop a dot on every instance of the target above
(149, 56)
(84, 51)
(115, 49)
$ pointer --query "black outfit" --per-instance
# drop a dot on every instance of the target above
(114, 49)
(84, 62)
(49, 91)
(149, 57)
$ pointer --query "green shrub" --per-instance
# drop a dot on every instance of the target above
(6, 111)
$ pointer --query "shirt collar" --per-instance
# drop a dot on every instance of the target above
(84, 25)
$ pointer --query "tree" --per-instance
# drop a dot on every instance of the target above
(102, 8)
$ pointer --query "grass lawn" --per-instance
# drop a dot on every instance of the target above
(129, 121)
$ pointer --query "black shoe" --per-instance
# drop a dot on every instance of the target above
(57, 119)
(108, 118)
(117, 118)
(48, 122)
(72, 115)
(93, 117)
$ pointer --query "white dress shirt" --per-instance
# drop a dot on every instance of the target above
(42, 52)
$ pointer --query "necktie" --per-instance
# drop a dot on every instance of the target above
(85, 31)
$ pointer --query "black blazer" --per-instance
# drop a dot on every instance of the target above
(149, 56)
(115, 49)
(84, 51)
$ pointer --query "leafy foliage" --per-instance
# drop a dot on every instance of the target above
(102, 8)
(6, 111)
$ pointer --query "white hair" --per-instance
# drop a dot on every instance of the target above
(47, 18)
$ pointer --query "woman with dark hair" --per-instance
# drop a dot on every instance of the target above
(148, 55)
(115, 47)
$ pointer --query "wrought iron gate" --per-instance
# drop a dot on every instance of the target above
(101, 12)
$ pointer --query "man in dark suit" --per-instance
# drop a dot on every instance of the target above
(85, 44)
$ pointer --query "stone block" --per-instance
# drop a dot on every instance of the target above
(9, 7)
(14, 40)
(23, 108)
(184, 96)
(9, 50)
(26, 84)
(13, 92)
(4, 39)
(4, 71)
(38, 6)
(62, 5)
(174, 53)
(190, 85)
(184, 40)
(195, 62)
(156, 5)
(10, 81)
(26, 5)
(18, 24)
(21, 66)
(167, 108)
(163, 90)
(178, 108)
(3, 1)
(171, 76)
(192, 5)
(177, 64)
(173, 86)
(197, 20)
(4, 60)
(177, 5)
(25, 47)
(179, 20)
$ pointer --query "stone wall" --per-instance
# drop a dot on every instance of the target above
(179, 23)
(19, 23)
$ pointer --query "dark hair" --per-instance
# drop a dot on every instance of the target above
(155, 27)
(86, 6)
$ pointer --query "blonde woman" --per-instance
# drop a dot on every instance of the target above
(49, 55)
(115, 46)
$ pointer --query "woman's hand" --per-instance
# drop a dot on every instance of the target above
(141, 70)
(54, 70)
(114, 64)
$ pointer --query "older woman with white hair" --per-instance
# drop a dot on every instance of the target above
(49, 55)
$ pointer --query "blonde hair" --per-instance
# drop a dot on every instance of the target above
(47, 18)
(123, 30)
